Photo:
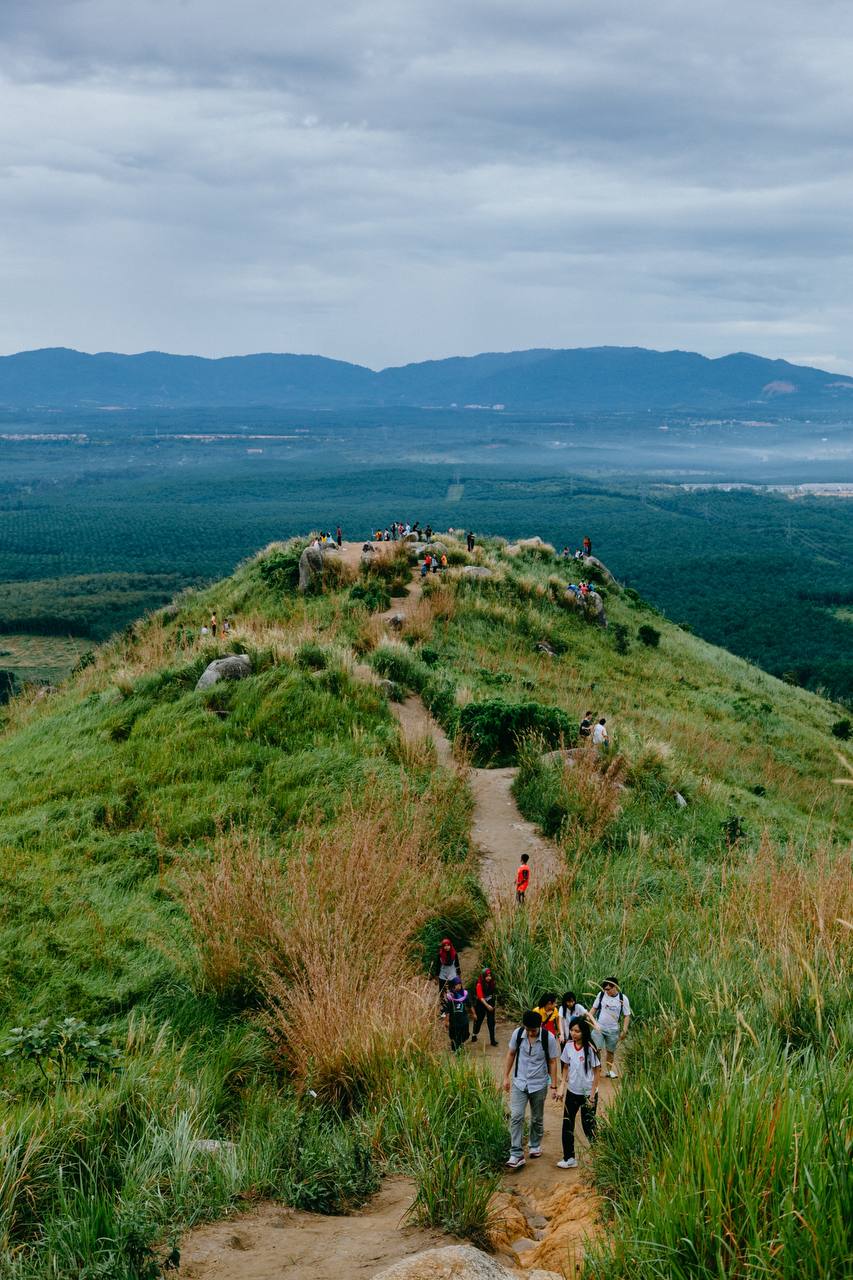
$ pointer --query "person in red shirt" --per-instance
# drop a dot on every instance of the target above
(522, 879)
(484, 1005)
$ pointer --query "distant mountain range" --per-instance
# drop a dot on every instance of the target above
(590, 378)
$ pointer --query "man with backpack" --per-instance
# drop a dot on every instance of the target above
(612, 1012)
(530, 1064)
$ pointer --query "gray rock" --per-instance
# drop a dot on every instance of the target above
(388, 687)
(311, 563)
(454, 1262)
(542, 646)
(477, 571)
(212, 1147)
(396, 621)
(594, 567)
(234, 667)
(565, 756)
(680, 801)
(594, 608)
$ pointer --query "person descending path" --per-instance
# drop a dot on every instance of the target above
(522, 879)
(530, 1063)
(581, 1070)
(569, 1008)
(456, 1007)
(484, 1005)
(600, 736)
(612, 1011)
(446, 966)
(548, 1013)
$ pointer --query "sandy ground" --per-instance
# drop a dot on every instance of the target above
(548, 1210)
(273, 1242)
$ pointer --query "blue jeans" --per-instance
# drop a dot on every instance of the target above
(518, 1101)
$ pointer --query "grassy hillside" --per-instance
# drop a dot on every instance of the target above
(235, 891)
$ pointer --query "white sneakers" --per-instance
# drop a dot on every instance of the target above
(612, 1075)
(516, 1162)
(534, 1153)
(567, 1164)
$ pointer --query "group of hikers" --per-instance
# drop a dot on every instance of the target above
(212, 627)
(583, 1041)
(581, 552)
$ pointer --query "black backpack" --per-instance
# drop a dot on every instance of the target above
(543, 1040)
(599, 1001)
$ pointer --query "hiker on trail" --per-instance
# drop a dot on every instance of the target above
(470, 540)
(600, 736)
(612, 1011)
(446, 965)
(484, 1005)
(547, 1011)
(565, 553)
(213, 625)
(339, 536)
(585, 729)
(456, 1008)
(522, 879)
(569, 1008)
(425, 567)
(581, 1070)
(428, 533)
(587, 547)
(443, 561)
(530, 1064)
(226, 626)
(435, 564)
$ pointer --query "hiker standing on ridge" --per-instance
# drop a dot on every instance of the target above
(470, 540)
(530, 1064)
(612, 1011)
(339, 535)
(484, 1005)
(446, 965)
(581, 1069)
(522, 879)
(587, 547)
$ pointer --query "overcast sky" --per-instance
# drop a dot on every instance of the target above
(384, 181)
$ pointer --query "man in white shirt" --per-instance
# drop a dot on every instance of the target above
(530, 1064)
(612, 1011)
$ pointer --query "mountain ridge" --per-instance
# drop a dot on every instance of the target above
(604, 378)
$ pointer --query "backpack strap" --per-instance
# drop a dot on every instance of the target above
(545, 1046)
(517, 1050)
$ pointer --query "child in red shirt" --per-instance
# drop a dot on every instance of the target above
(522, 879)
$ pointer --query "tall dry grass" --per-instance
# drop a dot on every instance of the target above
(349, 999)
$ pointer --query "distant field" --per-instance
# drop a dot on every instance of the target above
(40, 658)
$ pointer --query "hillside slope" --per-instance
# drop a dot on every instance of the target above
(595, 378)
(213, 877)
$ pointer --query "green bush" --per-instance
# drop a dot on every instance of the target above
(280, 569)
(396, 663)
(494, 728)
(312, 656)
(649, 636)
(841, 729)
(372, 593)
(620, 635)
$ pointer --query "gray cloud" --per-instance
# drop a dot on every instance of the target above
(385, 182)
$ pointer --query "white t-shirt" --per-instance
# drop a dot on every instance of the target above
(599, 734)
(566, 1018)
(580, 1077)
(608, 1015)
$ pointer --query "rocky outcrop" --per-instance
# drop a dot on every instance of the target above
(234, 667)
(596, 569)
(594, 608)
(310, 567)
(477, 571)
(456, 1262)
(528, 544)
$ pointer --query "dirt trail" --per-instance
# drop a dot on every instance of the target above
(546, 1212)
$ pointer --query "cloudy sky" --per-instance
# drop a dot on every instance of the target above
(383, 180)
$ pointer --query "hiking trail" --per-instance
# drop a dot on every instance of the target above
(543, 1213)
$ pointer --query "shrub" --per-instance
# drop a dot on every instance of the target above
(841, 729)
(397, 663)
(61, 1048)
(372, 593)
(649, 636)
(620, 635)
(493, 728)
(312, 656)
(280, 569)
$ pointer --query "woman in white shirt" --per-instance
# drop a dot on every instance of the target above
(569, 1008)
(581, 1069)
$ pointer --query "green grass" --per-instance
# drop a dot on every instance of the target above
(723, 1154)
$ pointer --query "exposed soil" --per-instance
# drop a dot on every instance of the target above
(273, 1242)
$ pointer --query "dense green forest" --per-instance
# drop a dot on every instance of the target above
(93, 534)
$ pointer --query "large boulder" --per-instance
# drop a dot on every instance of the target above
(455, 1262)
(596, 569)
(234, 667)
(311, 566)
(477, 571)
(594, 609)
(528, 544)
